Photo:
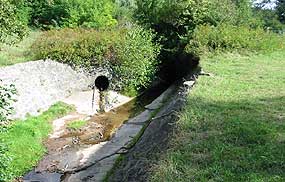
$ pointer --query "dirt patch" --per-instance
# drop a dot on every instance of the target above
(65, 147)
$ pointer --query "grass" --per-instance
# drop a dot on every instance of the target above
(20, 52)
(75, 125)
(233, 127)
(24, 139)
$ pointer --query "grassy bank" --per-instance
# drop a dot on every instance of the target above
(24, 139)
(19, 52)
(233, 128)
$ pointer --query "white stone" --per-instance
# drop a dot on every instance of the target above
(42, 83)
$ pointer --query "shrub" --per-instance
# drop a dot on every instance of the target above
(176, 20)
(130, 54)
(90, 13)
(137, 59)
(227, 37)
(67, 13)
(5, 161)
(11, 29)
(124, 11)
(77, 47)
(6, 99)
(172, 19)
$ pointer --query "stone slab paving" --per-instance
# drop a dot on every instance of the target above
(92, 163)
(103, 159)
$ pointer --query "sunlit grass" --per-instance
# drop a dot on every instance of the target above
(233, 127)
(19, 52)
(25, 139)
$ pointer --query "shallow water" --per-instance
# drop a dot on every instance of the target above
(99, 128)
(116, 117)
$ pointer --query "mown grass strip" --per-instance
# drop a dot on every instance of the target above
(233, 127)
(25, 139)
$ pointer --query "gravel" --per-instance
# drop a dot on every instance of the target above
(42, 83)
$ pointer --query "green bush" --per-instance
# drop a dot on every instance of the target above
(137, 59)
(124, 11)
(130, 54)
(227, 37)
(44, 13)
(7, 93)
(5, 161)
(176, 20)
(172, 20)
(11, 29)
(6, 99)
(89, 13)
(67, 13)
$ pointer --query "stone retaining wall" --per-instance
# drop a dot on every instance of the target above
(42, 83)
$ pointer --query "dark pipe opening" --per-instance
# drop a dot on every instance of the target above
(102, 83)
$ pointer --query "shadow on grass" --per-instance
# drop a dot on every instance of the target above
(227, 141)
(215, 141)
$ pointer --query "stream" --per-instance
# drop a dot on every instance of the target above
(70, 149)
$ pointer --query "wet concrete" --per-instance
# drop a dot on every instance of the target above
(88, 153)
(137, 164)
(103, 158)
(83, 101)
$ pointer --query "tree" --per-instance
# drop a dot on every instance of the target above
(172, 20)
(11, 29)
(280, 9)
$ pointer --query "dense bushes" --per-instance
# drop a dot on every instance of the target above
(227, 37)
(89, 13)
(67, 13)
(136, 59)
(5, 161)
(6, 99)
(172, 20)
(176, 20)
(227, 25)
(179, 22)
(205, 26)
(280, 9)
(129, 53)
(11, 29)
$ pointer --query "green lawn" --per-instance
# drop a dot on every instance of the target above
(19, 52)
(233, 127)
(24, 140)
